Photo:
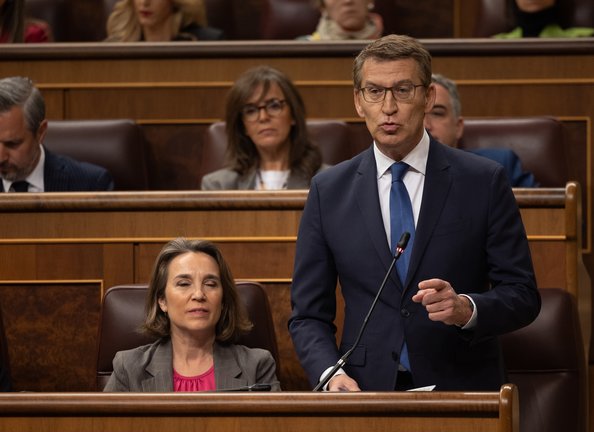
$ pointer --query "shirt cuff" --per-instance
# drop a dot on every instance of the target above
(472, 321)
(326, 372)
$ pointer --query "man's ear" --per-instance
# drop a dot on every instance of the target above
(41, 131)
(430, 98)
(459, 127)
(358, 104)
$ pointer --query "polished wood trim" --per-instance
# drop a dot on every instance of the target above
(234, 200)
(286, 48)
(153, 200)
(402, 403)
(390, 411)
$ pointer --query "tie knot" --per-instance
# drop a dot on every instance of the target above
(398, 170)
(20, 186)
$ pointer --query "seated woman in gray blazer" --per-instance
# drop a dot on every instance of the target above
(268, 146)
(193, 307)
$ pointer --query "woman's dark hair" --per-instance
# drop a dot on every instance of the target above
(234, 320)
(12, 20)
(242, 155)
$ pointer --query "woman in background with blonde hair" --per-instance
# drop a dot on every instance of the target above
(159, 21)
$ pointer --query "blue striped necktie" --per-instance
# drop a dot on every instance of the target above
(401, 220)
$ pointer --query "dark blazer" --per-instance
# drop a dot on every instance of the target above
(512, 165)
(63, 174)
(149, 368)
(469, 233)
(195, 32)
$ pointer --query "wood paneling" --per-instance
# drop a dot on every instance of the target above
(51, 331)
(113, 238)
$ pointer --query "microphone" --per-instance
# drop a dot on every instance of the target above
(258, 387)
(400, 246)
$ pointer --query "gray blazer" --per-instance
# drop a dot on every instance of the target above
(227, 179)
(149, 368)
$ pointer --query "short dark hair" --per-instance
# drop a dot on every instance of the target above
(21, 92)
(452, 90)
(242, 154)
(394, 47)
(234, 320)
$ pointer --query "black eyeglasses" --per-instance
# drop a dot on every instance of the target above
(273, 108)
(402, 92)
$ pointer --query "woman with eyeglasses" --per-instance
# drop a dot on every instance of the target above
(268, 147)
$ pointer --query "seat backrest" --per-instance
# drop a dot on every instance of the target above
(70, 20)
(123, 313)
(536, 140)
(546, 360)
(495, 16)
(218, 14)
(288, 19)
(331, 136)
(117, 145)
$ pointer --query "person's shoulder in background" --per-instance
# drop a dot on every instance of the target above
(37, 31)
(65, 174)
(550, 31)
(200, 33)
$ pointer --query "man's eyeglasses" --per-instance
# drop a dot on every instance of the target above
(402, 92)
(273, 108)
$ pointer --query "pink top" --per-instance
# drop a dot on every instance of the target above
(203, 382)
(35, 31)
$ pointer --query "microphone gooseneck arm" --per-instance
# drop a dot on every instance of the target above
(342, 361)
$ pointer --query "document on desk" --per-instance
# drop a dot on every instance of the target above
(426, 388)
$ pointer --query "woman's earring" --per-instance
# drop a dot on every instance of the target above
(370, 6)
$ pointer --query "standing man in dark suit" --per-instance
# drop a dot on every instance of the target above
(469, 277)
(445, 123)
(25, 165)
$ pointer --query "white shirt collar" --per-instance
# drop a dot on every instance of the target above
(35, 178)
(417, 158)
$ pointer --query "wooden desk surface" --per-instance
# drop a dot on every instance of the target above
(237, 412)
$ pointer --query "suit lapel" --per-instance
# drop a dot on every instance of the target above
(369, 207)
(228, 374)
(438, 182)
(160, 369)
(247, 182)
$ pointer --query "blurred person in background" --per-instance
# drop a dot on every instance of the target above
(268, 143)
(15, 27)
(160, 21)
(25, 164)
(445, 123)
(346, 19)
(540, 18)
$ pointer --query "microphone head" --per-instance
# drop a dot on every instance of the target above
(404, 238)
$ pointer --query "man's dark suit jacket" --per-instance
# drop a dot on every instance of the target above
(469, 233)
(63, 174)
